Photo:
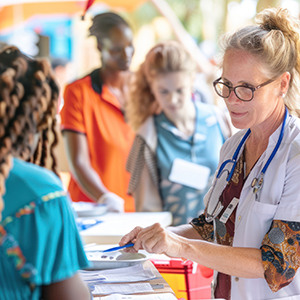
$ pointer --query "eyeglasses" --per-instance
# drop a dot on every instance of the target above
(244, 93)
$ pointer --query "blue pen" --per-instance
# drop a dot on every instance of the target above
(118, 248)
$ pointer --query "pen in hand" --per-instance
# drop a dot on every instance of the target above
(119, 248)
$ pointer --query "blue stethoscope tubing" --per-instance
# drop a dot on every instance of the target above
(257, 184)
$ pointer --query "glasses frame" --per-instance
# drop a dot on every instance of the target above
(231, 88)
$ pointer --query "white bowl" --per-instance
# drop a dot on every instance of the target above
(117, 259)
(89, 209)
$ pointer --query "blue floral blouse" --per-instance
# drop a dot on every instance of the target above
(39, 241)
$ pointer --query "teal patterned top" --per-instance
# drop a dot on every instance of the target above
(182, 201)
(39, 241)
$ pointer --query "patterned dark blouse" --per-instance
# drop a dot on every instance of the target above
(280, 247)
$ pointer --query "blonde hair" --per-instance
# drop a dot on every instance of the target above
(275, 40)
(163, 58)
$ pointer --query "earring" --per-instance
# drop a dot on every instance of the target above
(282, 95)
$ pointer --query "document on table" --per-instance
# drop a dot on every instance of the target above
(129, 274)
(161, 296)
(131, 288)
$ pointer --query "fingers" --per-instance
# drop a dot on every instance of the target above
(153, 239)
(130, 237)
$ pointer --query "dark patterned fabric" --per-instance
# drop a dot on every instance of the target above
(224, 232)
(280, 247)
(205, 229)
(280, 253)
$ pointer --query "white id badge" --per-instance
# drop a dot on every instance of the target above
(189, 174)
(229, 210)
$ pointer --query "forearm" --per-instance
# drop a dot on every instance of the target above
(186, 231)
(234, 261)
(78, 157)
(89, 181)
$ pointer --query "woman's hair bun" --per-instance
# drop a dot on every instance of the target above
(277, 19)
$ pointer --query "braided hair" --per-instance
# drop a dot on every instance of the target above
(28, 100)
(103, 23)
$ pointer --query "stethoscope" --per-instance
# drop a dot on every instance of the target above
(256, 184)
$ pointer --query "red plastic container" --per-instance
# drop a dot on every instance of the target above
(188, 280)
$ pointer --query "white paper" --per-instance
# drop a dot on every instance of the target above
(90, 277)
(189, 174)
(131, 288)
(129, 274)
(161, 296)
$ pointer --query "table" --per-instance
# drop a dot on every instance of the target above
(115, 225)
(159, 280)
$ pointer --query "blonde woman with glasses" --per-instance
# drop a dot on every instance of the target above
(250, 231)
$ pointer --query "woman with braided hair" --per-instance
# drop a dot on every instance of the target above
(40, 248)
(96, 137)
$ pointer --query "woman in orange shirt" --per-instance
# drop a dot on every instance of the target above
(96, 136)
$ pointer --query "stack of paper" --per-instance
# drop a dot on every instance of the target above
(131, 288)
(98, 281)
(161, 296)
(130, 274)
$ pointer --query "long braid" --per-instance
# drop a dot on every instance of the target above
(11, 129)
(44, 153)
(28, 95)
(54, 144)
(48, 101)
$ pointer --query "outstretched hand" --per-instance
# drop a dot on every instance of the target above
(155, 239)
(113, 202)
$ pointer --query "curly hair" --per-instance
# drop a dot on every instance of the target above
(275, 40)
(28, 101)
(165, 57)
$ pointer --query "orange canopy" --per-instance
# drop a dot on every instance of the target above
(16, 11)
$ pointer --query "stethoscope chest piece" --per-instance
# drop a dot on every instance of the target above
(257, 184)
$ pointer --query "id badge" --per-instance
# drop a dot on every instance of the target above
(189, 174)
(229, 210)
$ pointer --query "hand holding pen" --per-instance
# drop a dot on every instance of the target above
(119, 248)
